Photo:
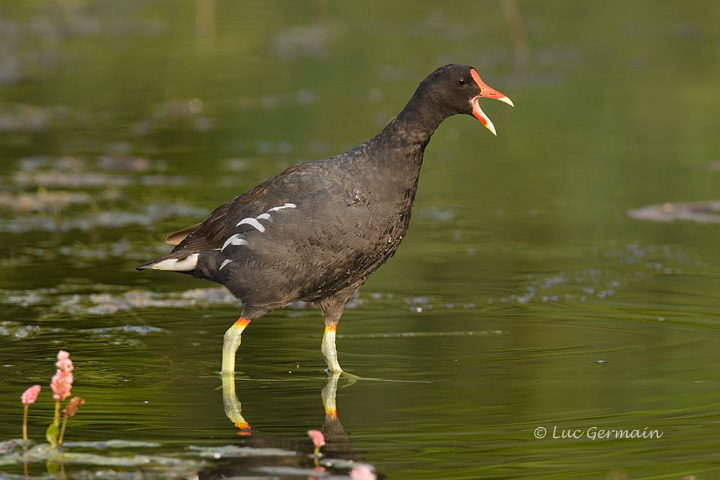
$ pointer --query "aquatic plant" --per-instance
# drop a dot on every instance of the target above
(68, 412)
(61, 385)
(29, 396)
(318, 440)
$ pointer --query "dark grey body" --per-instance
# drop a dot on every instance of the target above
(350, 214)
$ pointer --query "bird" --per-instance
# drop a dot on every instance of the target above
(319, 229)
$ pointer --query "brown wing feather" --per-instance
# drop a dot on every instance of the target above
(176, 237)
(214, 230)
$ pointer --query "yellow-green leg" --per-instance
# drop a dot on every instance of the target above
(329, 350)
(233, 408)
(231, 342)
(329, 394)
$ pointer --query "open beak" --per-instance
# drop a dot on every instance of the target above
(486, 92)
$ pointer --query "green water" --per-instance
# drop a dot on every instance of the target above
(524, 296)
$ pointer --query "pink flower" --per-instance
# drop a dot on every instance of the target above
(73, 406)
(61, 383)
(317, 438)
(64, 363)
(30, 395)
(362, 472)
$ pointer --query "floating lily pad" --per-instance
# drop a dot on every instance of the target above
(44, 453)
(107, 219)
(702, 212)
(232, 451)
(17, 331)
(104, 444)
(293, 472)
(44, 201)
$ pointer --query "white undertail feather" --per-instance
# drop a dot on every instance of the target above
(177, 265)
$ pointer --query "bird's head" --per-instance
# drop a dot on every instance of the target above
(459, 88)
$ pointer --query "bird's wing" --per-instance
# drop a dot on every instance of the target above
(236, 216)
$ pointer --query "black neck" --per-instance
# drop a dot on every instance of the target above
(410, 131)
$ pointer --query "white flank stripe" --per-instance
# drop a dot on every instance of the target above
(234, 240)
(264, 216)
(183, 265)
(287, 205)
(253, 223)
(225, 263)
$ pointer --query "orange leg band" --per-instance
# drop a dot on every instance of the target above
(242, 322)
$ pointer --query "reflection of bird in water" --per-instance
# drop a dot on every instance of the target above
(266, 455)
(317, 231)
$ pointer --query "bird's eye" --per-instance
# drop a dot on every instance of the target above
(462, 82)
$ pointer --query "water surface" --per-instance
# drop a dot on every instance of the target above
(523, 298)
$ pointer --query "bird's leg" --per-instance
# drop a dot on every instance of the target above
(329, 394)
(332, 308)
(328, 348)
(231, 343)
(233, 408)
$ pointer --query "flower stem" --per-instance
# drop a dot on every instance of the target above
(57, 414)
(62, 431)
(25, 418)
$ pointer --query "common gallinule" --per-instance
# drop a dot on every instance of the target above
(317, 230)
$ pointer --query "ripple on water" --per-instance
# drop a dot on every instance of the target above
(622, 267)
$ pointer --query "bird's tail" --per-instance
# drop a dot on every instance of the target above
(174, 262)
